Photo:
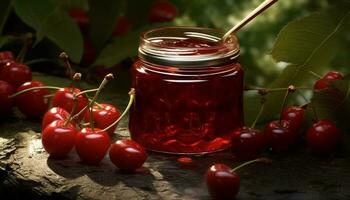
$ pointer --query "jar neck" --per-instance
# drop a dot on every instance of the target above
(187, 47)
(188, 71)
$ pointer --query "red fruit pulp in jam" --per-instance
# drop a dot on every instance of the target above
(186, 110)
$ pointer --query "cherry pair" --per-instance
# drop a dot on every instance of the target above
(13, 72)
(92, 146)
(248, 142)
(325, 81)
(16, 77)
(282, 134)
(103, 114)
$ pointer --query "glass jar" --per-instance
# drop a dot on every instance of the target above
(189, 91)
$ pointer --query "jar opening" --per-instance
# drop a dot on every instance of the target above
(187, 47)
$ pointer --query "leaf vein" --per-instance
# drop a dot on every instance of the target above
(318, 47)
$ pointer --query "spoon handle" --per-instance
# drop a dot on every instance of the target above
(261, 8)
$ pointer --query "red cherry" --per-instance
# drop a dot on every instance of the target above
(333, 75)
(58, 139)
(279, 135)
(33, 103)
(321, 84)
(247, 143)
(81, 18)
(92, 146)
(162, 11)
(222, 183)
(324, 82)
(89, 53)
(295, 116)
(122, 26)
(63, 98)
(322, 136)
(127, 155)
(5, 103)
(55, 113)
(5, 56)
(16, 74)
(104, 115)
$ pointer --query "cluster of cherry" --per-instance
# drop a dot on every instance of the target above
(75, 120)
(15, 76)
(279, 135)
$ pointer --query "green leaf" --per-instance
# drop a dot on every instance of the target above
(119, 49)
(308, 44)
(64, 32)
(5, 8)
(5, 40)
(138, 15)
(103, 19)
(122, 47)
(33, 13)
(40, 60)
(70, 4)
(301, 41)
(52, 22)
(252, 104)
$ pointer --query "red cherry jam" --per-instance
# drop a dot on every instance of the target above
(189, 88)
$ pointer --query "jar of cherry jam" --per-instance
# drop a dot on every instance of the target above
(189, 90)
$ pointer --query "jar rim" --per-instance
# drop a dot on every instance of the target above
(160, 46)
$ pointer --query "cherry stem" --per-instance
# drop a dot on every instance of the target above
(82, 110)
(79, 113)
(315, 75)
(87, 91)
(98, 105)
(85, 124)
(132, 93)
(290, 89)
(265, 160)
(71, 115)
(33, 88)
(107, 78)
(314, 112)
(294, 88)
(21, 55)
(312, 106)
(260, 112)
(264, 91)
(64, 56)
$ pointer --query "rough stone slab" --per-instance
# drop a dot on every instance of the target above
(26, 171)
